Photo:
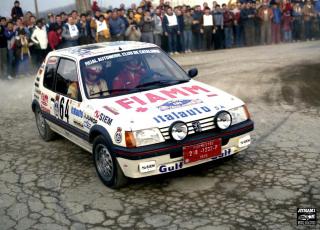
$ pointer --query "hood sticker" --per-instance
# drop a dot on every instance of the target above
(173, 104)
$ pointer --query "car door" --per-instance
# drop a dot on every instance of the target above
(47, 90)
(68, 108)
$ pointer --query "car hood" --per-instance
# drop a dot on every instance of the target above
(162, 106)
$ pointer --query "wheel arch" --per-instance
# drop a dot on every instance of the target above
(98, 130)
(34, 105)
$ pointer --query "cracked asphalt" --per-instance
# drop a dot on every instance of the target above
(54, 185)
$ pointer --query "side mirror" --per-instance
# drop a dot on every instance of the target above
(193, 72)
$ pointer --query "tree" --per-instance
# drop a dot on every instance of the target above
(83, 5)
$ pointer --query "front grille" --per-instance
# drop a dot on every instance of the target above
(206, 124)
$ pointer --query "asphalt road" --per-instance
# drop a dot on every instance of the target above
(54, 185)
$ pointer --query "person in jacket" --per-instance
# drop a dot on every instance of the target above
(133, 33)
(10, 36)
(308, 16)
(196, 28)
(238, 29)
(84, 30)
(40, 40)
(54, 37)
(276, 24)
(297, 22)
(102, 30)
(317, 12)
(187, 32)
(228, 19)
(23, 55)
(171, 30)
(16, 11)
(117, 27)
(265, 14)
(3, 47)
(147, 26)
(157, 31)
(70, 33)
(247, 16)
(207, 28)
(219, 26)
(287, 26)
(180, 45)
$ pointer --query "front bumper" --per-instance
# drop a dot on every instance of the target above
(167, 156)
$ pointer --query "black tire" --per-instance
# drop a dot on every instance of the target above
(44, 130)
(107, 166)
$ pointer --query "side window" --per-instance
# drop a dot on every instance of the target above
(67, 79)
(51, 66)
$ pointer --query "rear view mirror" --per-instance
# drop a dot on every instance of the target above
(193, 72)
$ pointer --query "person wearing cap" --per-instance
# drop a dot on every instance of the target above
(16, 11)
(95, 85)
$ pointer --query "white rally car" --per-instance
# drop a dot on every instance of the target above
(136, 110)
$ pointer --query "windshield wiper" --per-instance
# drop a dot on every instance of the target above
(113, 90)
(161, 82)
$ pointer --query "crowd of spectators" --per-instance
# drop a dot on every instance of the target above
(25, 40)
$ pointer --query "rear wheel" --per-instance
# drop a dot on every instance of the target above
(107, 166)
(44, 130)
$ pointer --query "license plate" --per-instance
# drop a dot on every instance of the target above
(202, 151)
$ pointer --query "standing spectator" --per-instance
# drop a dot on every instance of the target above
(138, 15)
(317, 12)
(70, 33)
(207, 29)
(22, 53)
(133, 33)
(247, 18)
(59, 21)
(308, 14)
(51, 21)
(16, 11)
(287, 26)
(187, 33)
(84, 30)
(158, 31)
(180, 45)
(95, 6)
(40, 40)
(265, 14)
(297, 22)
(10, 36)
(228, 19)
(171, 30)
(102, 30)
(122, 15)
(54, 37)
(147, 25)
(276, 23)
(196, 28)
(3, 47)
(117, 27)
(20, 26)
(238, 30)
(219, 34)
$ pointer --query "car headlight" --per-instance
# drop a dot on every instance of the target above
(178, 130)
(239, 114)
(143, 137)
(223, 120)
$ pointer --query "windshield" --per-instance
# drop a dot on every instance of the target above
(128, 72)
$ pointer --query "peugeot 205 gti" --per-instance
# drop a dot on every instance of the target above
(136, 110)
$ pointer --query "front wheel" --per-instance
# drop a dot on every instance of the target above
(44, 130)
(106, 165)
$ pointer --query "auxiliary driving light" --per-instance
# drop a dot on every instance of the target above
(178, 130)
(223, 120)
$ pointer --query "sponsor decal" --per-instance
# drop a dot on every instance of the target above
(102, 117)
(161, 95)
(197, 126)
(78, 123)
(212, 95)
(44, 109)
(226, 152)
(52, 61)
(306, 216)
(90, 119)
(111, 110)
(44, 99)
(87, 124)
(76, 112)
(173, 104)
(36, 96)
(181, 114)
(170, 167)
(244, 141)
(147, 166)
(38, 91)
(118, 135)
(56, 106)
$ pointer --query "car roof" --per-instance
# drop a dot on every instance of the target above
(86, 51)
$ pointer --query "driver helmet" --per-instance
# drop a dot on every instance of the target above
(94, 69)
(134, 64)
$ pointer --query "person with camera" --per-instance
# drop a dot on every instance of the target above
(147, 26)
